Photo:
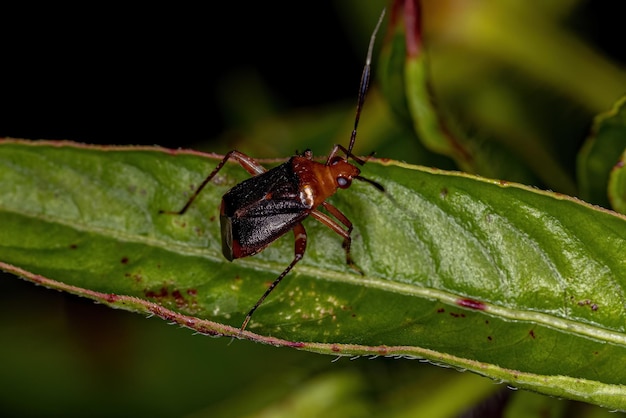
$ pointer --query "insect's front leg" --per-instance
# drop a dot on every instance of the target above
(345, 233)
(300, 236)
(339, 147)
(249, 164)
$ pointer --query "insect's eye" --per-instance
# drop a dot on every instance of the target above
(343, 182)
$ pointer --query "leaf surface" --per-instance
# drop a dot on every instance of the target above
(514, 283)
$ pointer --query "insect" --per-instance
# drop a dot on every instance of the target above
(257, 211)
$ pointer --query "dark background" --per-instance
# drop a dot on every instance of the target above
(158, 74)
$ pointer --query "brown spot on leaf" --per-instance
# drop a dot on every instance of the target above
(172, 296)
(178, 298)
(161, 293)
(471, 304)
(593, 306)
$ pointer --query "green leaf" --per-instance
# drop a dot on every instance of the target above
(405, 83)
(528, 404)
(601, 153)
(507, 281)
(405, 80)
(617, 185)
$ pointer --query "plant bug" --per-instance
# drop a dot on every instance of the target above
(258, 211)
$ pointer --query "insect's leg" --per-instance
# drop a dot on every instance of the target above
(246, 162)
(338, 147)
(300, 247)
(332, 224)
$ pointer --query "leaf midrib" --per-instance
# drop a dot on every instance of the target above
(379, 283)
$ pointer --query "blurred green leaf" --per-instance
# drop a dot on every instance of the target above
(332, 394)
(617, 185)
(528, 39)
(510, 282)
(528, 404)
(601, 153)
(405, 80)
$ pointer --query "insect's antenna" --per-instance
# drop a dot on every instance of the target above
(371, 182)
(365, 81)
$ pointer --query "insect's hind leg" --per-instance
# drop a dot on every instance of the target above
(249, 164)
(300, 247)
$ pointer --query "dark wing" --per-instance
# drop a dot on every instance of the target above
(259, 210)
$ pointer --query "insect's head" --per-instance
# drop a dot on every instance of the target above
(343, 171)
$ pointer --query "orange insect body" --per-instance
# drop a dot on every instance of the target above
(320, 181)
